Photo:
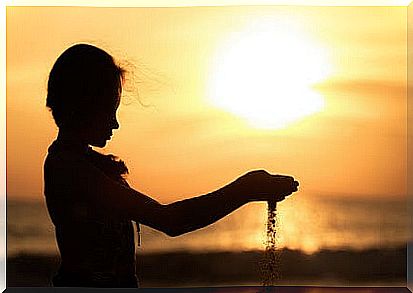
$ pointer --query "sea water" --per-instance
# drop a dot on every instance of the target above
(308, 223)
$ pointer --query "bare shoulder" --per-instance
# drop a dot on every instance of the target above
(64, 171)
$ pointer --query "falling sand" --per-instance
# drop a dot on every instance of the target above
(271, 262)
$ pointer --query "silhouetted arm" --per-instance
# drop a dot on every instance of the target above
(76, 175)
(197, 212)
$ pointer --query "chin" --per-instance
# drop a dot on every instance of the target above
(99, 144)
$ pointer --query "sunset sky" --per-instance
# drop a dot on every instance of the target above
(208, 75)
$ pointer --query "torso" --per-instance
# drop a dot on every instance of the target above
(97, 247)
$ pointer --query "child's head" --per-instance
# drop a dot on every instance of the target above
(83, 93)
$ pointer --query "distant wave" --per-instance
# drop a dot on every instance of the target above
(308, 223)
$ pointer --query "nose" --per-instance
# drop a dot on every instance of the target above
(115, 124)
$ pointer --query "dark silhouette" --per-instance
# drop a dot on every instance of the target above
(88, 199)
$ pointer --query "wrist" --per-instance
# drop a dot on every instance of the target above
(236, 192)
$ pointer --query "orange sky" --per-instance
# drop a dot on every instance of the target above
(181, 145)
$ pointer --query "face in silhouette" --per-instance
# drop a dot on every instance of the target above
(100, 129)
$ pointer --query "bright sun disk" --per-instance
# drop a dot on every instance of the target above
(265, 75)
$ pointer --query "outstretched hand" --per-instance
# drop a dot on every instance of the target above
(259, 185)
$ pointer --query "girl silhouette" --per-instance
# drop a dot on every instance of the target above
(89, 201)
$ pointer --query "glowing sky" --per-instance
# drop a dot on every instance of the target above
(181, 145)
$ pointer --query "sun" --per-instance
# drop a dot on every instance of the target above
(265, 74)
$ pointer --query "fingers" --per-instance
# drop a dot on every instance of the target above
(285, 184)
(266, 186)
(295, 185)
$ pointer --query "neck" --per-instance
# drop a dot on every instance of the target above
(72, 138)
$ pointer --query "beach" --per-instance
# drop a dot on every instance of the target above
(374, 267)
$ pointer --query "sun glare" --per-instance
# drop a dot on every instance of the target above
(265, 74)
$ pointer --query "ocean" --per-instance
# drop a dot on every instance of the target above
(307, 223)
